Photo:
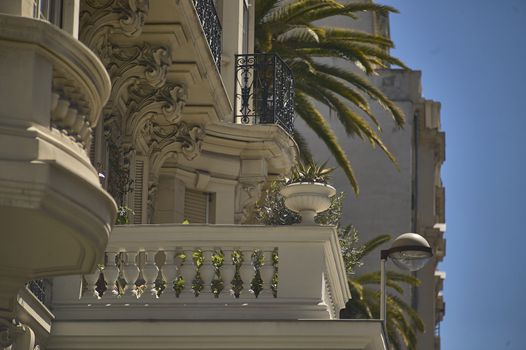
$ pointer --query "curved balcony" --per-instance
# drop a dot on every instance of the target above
(55, 216)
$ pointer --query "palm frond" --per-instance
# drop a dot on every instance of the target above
(374, 278)
(374, 243)
(303, 145)
(293, 9)
(299, 33)
(365, 86)
(348, 10)
(415, 318)
(319, 125)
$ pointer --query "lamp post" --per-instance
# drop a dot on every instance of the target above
(409, 251)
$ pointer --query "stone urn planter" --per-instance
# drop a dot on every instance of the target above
(308, 199)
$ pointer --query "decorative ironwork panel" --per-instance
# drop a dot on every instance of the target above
(41, 289)
(264, 91)
(209, 19)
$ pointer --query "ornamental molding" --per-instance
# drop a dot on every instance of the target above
(162, 106)
(136, 65)
(99, 19)
(163, 140)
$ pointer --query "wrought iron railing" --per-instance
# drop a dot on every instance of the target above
(209, 19)
(40, 289)
(264, 91)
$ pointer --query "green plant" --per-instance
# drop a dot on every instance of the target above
(123, 215)
(403, 321)
(271, 210)
(310, 172)
(293, 30)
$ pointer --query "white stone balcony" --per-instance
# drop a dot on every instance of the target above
(55, 216)
(210, 272)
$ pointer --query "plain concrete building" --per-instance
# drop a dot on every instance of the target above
(394, 201)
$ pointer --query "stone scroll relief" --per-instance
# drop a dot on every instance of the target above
(99, 19)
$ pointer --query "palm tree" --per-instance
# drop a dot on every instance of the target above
(291, 29)
(403, 321)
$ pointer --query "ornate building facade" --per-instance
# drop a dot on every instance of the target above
(163, 105)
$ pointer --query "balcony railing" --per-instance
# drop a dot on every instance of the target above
(209, 19)
(264, 91)
(41, 289)
(211, 271)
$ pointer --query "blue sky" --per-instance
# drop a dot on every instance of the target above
(472, 55)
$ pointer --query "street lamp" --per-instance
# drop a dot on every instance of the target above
(409, 251)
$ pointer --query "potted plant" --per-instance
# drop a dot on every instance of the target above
(307, 191)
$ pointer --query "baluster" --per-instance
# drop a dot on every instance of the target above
(247, 270)
(111, 272)
(228, 270)
(267, 271)
(130, 271)
(217, 284)
(149, 273)
(275, 274)
(207, 271)
(91, 281)
(237, 282)
(169, 270)
(184, 272)
(197, 281)
(258, 260)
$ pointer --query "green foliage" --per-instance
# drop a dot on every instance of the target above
(271, 210)
(402, 321)
(309, 171)
(351, 253)
(123, 215)
(292, 30)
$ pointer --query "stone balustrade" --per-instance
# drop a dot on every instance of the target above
(186, 272)
(210, 272)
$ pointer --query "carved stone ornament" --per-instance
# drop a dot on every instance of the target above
(101, 18)
(163, 105)
(145, 64)
(179, 138)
